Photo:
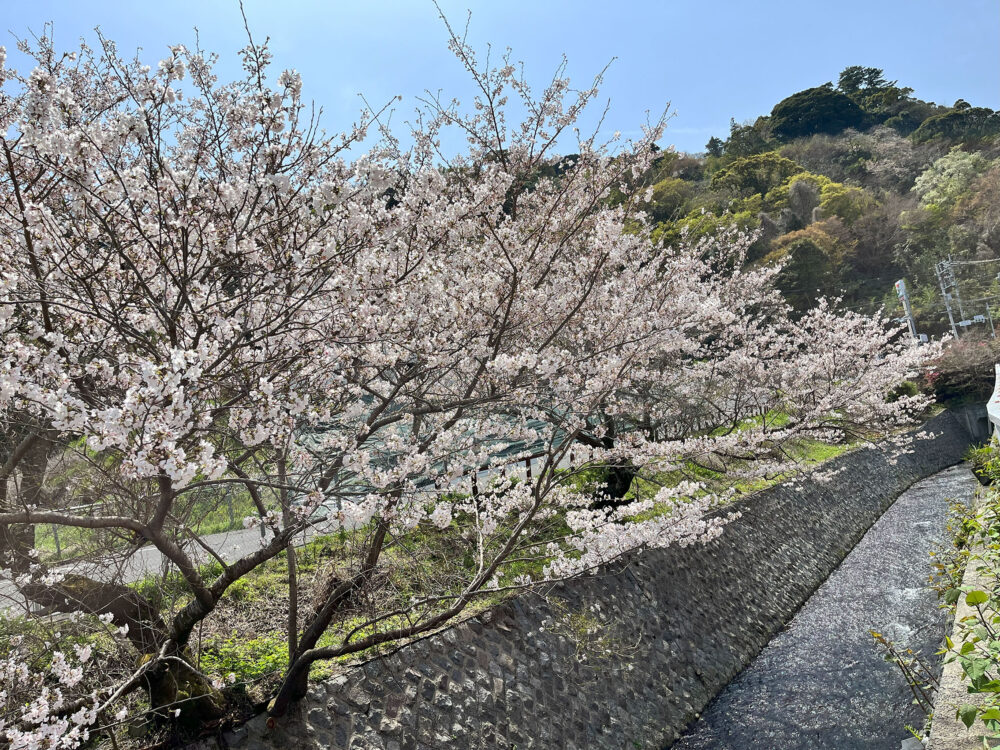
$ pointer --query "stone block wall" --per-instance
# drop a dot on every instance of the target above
(680, 623)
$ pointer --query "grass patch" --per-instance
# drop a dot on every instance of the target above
(246, 659)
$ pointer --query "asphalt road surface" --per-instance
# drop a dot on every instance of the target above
(229, 545)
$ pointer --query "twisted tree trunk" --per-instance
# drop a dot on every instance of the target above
(174, 681)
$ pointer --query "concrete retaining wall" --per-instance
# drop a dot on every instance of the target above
(680, 623)
(980, 418)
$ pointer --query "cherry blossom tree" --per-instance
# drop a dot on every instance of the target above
(201, 290)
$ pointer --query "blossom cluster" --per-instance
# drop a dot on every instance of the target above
(42, 723)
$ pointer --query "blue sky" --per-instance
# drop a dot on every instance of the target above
(709, 59)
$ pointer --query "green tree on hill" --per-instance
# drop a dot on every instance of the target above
(963, 122)
(749, 138)
(870, 90)
(754, 175)
(822, 109)
(715, 146)
(856, 79)
(669, 199)
(812, 259)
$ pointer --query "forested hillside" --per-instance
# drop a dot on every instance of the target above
(854, 186)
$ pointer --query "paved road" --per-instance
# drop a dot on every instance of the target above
(229, 545)
(820, 683)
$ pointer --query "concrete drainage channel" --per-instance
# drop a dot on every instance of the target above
(695, 617)
(820, 683)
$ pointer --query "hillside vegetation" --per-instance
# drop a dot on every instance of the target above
(854, 186)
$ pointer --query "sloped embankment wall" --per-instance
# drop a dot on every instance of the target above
(682, 622)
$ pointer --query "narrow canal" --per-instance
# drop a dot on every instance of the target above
(821, 683)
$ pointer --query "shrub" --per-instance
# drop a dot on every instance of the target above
(906, 388)
(964, 371)
(985, 463)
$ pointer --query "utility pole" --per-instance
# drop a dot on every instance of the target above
(954, 283)
(946, 278)
(905, 299)
(989, 317)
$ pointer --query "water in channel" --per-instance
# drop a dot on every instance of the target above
(821, 683)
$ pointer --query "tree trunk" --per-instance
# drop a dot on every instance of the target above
(617, 483)
(172, 681)
(296, 682)
(176, 684)
(618, 477)
(18, 540)
(293, 688)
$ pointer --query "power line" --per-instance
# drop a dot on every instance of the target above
(971, 262)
